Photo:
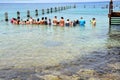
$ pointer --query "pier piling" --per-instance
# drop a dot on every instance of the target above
(18, 15)
(36, 12)
(43, 12)
(28, 14)
(74, 6)
(55, 9)
(51, 10)
(84, 6)
(58, 8)
(47, 10)
(110, 11)
(64, 7)
(6, 16)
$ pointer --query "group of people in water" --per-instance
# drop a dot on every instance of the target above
(55, 22)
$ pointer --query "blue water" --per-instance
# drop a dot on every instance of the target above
(39, 45)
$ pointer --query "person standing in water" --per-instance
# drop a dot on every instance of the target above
(55, 21)
(45, 22)
(67, 23)
(82, 22)
(62, 22)
(93, 22)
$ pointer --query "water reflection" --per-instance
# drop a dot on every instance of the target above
(82, 28)
(114, 36)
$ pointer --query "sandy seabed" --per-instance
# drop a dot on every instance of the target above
(103, 65)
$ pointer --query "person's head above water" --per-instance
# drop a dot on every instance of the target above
(81, 17)
(56, 17)
(93, 19)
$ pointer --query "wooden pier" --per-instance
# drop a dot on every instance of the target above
(41, 12)
(114, 17)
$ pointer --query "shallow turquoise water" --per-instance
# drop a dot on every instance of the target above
(37, 45)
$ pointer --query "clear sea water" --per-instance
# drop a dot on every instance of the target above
(38, 45)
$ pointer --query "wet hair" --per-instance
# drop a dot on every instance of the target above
(42, 18)
(93, 18)
(45, 18)
(27, 20)
(38, 19)
(14, 18)
(77, 21)
(62, 18)
(55, 16)
(81, 18)
(67, 19)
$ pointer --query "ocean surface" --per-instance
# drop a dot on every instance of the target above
(39, 45)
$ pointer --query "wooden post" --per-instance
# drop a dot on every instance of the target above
(74, 6)
(67, 7)
(18, 15)
(28, 14)
(111, 6)
(58, 8)
(55, 9)
(43, 12)
(110, 19)
(6, 16)
(51, 10)
(47, 11)
(110, 10)
(61, 8)
(106, 6)
(36, 12)
(84, 6)
(64, 7)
